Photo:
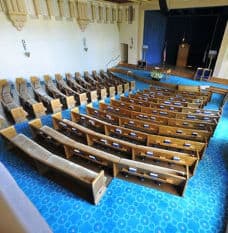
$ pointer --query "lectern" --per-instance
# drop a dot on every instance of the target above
(182, 56)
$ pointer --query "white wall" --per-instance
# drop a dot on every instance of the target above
(55, 46)
(221, 66)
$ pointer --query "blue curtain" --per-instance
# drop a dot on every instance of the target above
(154, 36)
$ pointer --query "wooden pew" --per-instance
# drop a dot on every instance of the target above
(81, 98)
(167, 113)
(187, 146)
(76, 85)
(83, 82)
(137, 167)
(51, 104)
(44, 134)
(101, 88)
(167, 102)
(158, 97)
(30, 104)
(182, 145)
(151, 128)
(205, 96)
(159, 155)
(10, 106)
(52, 90)
(92, 183)
(161, 179)
(172, 108)
(2, 122)
(198, 124)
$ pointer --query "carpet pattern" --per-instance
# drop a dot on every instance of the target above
(127, 207)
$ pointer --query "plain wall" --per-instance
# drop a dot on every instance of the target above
(56, 46)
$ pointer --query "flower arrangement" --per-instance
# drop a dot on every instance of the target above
(156, 75)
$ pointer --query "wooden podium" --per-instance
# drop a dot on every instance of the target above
(182, 56)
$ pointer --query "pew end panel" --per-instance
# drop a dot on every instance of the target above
(119, 90)
(98, 187)
(132, 85)
(75, 114)
(83, 98)
(39, 109)
(19, 114)
(70, 102)
(56, 105)
(55, 119)
(126, 87)
(9, 132)
(112, 92)
(103, 93)
(93, 96)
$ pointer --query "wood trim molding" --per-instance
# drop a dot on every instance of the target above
(82, 18)
(17, 13)
(37, 7)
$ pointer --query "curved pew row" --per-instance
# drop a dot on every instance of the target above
(81, 98)
(153, 140)
(2, 122)
(90, 183)
(190, 91)
(51, 104)
(166, 113)
(132, 100)
(158, 119)
(182, 162)
(160, 92)
(15, 111)
(30, 104)
(165, 179)
(170, 101)
(53, 91)
(151, 128)
(159, 95)
(101, 87)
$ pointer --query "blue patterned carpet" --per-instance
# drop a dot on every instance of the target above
(127, 207)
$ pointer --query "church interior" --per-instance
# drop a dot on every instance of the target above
(114, 116)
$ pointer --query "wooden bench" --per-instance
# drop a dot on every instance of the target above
(53, 105)
(2, 121)
(205, 96)
(158, 119)
(171, 108)
(167, 102)
(118, 144)
(29, 103)
(81, 98)
(76, 85)
(170, 96)
(182, 145)
(10, 106)
(167, 113)
(176, 102)
(92, 182)
(101, 88)
(45, 134)
(183, 174)
(162, 178)
(151, 128)
(52, 90)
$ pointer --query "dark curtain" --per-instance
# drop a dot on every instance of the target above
(154, 36)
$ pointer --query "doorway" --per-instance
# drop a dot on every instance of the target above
(124, 52)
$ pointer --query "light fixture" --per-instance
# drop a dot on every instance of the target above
(26, 53)
(84, 44)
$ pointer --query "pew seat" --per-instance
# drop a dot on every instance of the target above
(45, 160)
